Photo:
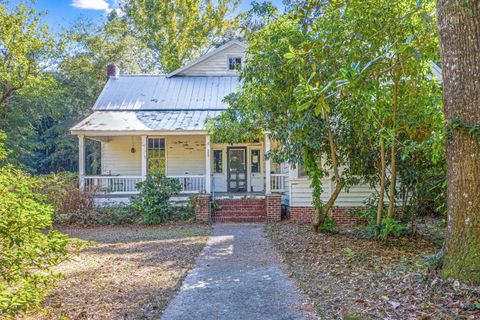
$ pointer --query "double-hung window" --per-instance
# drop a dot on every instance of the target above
(156, 155)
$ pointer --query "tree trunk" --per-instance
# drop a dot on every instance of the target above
(383, 173)
(459, 26)
(393, 177)
(322, 212)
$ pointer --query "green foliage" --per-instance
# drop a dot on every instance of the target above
(390, 226)
(152, 203)
(328, 226)
(179, 31)
(29, 248)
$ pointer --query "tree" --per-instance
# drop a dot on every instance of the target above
(179, 31)
(27, 49)
(459, 25)
(29, 247)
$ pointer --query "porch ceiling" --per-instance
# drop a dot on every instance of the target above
(144, 121)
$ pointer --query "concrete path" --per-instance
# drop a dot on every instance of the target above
(238, 276)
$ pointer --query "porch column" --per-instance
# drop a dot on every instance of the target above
(81, 161)
(208, 170)
(268, 189)
(144, 158)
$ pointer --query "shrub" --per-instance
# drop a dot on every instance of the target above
(152, 203)
(29, 248)
(391, 226)
(71, 206)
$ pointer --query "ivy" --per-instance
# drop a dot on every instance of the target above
(456, 124)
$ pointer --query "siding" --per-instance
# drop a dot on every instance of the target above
(117, 157)
(216, 65)
(185, 155)
(301, 193)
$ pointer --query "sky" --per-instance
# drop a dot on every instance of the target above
(62, 13)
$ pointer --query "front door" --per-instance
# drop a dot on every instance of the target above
(237, 169)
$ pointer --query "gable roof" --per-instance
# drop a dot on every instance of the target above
(157, 92)
(207, 55)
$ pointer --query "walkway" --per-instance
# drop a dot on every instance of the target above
(238, 276)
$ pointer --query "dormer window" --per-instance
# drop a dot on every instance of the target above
(234, 63)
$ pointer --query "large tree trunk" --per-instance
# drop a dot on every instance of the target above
(459, 25)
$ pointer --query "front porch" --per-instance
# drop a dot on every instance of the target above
(199, 166)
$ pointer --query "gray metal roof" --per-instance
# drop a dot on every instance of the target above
(144, 121)
(157, 92)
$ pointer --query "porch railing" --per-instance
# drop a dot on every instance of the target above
(127, 184)
(111, 184)
(191, 183)
(279, 182)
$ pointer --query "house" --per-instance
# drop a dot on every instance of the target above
(148, 123)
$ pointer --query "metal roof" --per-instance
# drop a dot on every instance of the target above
(157, 92)
(144, 121)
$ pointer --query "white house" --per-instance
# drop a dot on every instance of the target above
(148, 123)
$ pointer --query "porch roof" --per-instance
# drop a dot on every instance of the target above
(144, 121)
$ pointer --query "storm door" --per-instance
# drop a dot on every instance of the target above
(237, 169)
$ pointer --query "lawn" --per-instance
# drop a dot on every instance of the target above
(128, 272)
(350, 277)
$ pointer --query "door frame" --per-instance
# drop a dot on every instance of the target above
(245, 158)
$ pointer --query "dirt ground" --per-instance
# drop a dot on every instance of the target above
(351, 277)
(128, 272)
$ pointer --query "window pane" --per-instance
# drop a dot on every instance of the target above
(234, 63)
(156, 155)
(301, 171)
(217, 161)
(255, 161)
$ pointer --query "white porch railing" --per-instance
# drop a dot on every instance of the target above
(191, 183)
(127, 184)
(111, 184)
(279, 182)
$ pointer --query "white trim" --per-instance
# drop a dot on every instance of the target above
(144, 157)
(138, 133)
(208, 171)
(206, 56)
(81, 160)
(268, 189)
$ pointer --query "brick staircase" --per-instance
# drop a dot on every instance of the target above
(240, 210)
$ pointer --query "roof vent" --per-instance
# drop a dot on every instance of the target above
(113, 71)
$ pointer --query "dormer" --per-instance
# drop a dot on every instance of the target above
(225, 60)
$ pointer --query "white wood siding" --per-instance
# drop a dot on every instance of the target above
(301, 192)
(185, 155)
(117, 157)
(216, 65)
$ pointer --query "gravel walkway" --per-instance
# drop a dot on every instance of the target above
(238, 276)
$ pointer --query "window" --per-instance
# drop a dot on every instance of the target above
(234, 63)
(255, 161)
(217, 161)
(301, 171)
(156, 155)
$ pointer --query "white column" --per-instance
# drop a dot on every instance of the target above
(267, 165)
(81, 161)
(144, 158)
(208, 170)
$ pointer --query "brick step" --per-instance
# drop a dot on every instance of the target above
(240, 214)
(240, 219)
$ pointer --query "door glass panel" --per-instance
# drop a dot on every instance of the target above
(237, 170)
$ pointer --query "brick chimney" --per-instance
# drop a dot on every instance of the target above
(113, 71)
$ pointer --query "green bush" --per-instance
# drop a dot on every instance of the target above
(29, 248)
(152, 203)
(391, 226)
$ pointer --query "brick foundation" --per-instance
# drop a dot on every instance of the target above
(240, 210)
(202, 208)
(274, 207)
(341, 216)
